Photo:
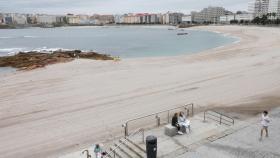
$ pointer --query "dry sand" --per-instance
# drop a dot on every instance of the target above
(65, 107)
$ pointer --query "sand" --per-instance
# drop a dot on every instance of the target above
(65, 107)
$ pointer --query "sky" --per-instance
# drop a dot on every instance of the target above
(116, 6)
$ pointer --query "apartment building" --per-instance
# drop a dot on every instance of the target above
(258, 7)
(31, 19)
(187, 19)
(227, 19)
(172, 18)
(8, 19)
(274, 7)
(72, 19)
(244, 17)
(19, 19)
(209, 15)
(46, 19)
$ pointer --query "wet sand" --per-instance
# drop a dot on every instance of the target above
(66, 107)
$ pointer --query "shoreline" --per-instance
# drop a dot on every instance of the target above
(65, 107)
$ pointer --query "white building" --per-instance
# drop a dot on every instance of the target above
(160, 18)
(210, 14)
(165, 18)
(259, 7)
(172, 18)
(274, 7)
(19, 19)
(154, 19)
(187, 19)
(83, 19)
(72, 19)
(119, 19)
(226, 19)
(244, 17)
(46, 19)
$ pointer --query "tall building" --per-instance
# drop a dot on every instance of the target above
(187, 19)
(19, 19)
(8, 19)
(172, 18)
(31, 19)
(46, 19)
(72, 19)
(226, 19)
(119, 19)
(210, 15)
(274, 7)
(259, 7)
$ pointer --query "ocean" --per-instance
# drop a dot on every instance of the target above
(122, 41)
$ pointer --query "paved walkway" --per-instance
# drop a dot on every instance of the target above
(201, 133)
(243, 143)
(210, 139)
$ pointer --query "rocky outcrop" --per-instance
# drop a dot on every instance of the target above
(33, 60)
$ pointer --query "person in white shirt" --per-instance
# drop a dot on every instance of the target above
(265, 123)
(183, 121)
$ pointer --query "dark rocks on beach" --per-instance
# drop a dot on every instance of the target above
(33, 60)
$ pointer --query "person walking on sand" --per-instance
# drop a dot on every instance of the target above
(264, 122)
(175, 123)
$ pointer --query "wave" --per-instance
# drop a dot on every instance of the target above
(11, 49)
(29, 36)
(13, 37)
(5, 37)
(46, 49)
(14, 51)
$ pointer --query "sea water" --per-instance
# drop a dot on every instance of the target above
(123, 41)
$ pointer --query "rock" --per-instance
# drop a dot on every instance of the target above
(33, 60)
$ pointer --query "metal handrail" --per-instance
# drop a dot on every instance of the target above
(221, 117)
(125, 125)
(113, 151)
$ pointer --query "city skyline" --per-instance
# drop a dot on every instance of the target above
(118, 7)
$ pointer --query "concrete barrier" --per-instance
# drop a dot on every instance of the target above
(170, 130)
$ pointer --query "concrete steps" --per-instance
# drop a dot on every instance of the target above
(125, 148)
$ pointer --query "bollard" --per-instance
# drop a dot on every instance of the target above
(158, 120)
(151, 146)
(125, 126)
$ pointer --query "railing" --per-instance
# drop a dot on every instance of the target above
(218, 117)
(113, 151)
(157, 116)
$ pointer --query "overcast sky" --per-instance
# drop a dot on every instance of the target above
(115, 6)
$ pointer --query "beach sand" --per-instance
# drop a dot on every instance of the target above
(65, 107)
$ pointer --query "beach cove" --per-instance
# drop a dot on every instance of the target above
(65, 107)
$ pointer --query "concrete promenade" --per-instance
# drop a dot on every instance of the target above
(244, 143)
(210, 139)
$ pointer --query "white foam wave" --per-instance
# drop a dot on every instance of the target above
(29, 36)
(14, 51)
(11, 37)
(6, 37)
(46, 49)
(11, 49)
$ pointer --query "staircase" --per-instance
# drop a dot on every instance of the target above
(125, 148)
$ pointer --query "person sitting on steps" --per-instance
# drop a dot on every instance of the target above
(184, 122)
(175, 123)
